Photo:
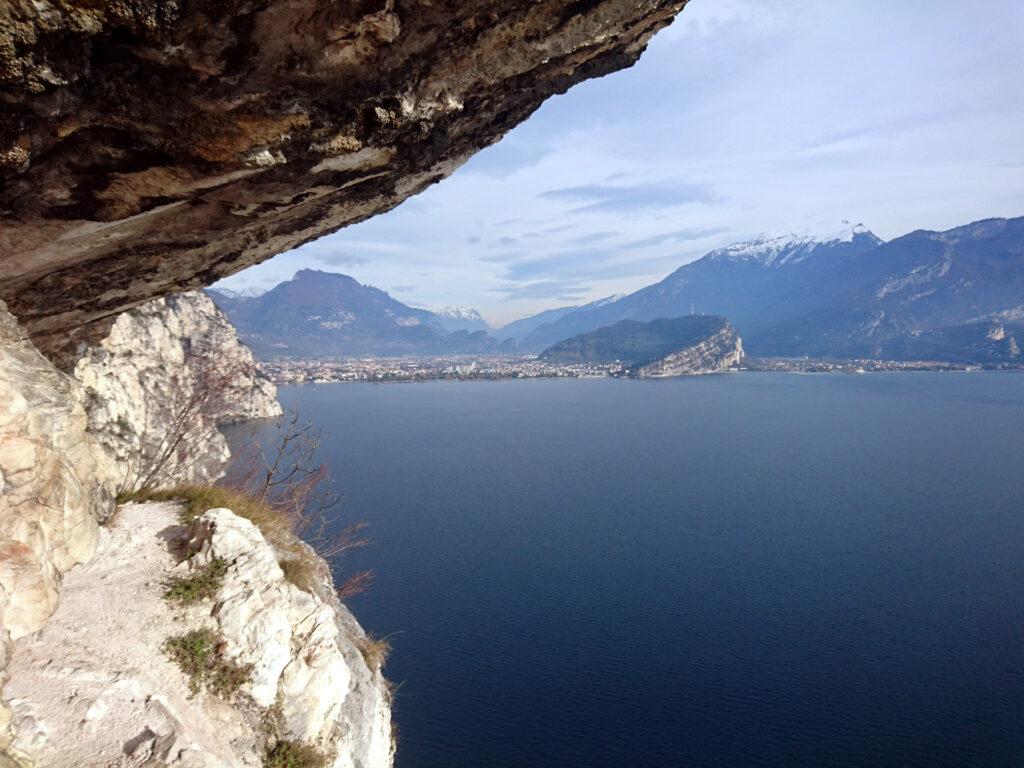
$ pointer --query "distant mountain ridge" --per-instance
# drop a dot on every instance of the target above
(955, 295)
(325, 314)
(461, 319)
(522, 328)
(751, 283)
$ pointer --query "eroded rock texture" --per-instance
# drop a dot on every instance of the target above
(155, 146)
(159, 384)
(95, 686)
(719, 352)
(55, 485)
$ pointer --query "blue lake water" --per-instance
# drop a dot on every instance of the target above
(741, 570)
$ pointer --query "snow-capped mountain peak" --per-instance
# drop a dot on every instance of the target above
(243, 293)
(461, 319)
(458, 313)
(791, 248)
(607, 300)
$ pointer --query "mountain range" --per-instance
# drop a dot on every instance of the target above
(956, 295)
(326, 314)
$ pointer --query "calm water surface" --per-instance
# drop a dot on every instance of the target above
(743, 570)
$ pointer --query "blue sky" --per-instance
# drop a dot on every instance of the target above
(744, 117)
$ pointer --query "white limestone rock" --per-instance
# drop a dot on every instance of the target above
(55, 484)
(719, 352)
(303, 647)
(173, 361)
(95, 687)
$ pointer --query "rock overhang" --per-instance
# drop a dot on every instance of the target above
(159, 146)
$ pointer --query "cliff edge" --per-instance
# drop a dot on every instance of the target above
(98, 687)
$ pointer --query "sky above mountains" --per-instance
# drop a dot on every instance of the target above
(742, 118)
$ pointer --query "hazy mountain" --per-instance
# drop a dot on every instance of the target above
(680, 345)
(244, 293)
(754, 284)
(937, 295)
(521, 329)
(461, 319)
(325, 314)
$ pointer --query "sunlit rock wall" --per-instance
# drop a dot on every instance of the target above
(161, 381)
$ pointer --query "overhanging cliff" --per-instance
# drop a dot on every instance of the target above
(156, 146)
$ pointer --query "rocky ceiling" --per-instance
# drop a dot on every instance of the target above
(152, 146)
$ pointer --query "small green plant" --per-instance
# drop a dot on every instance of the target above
(375, 651)
(293, 754)
(199, 655)
(201, 584)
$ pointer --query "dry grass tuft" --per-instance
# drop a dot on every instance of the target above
(298, 562)
(301, 571)
(201, 498)
(375, 651)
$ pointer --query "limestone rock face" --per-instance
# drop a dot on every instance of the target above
(156, 387)
(55, 484)
(719, 352)
(97, 682)
(155, 146)
(302, 646)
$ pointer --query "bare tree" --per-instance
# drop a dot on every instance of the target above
(184, 422)
(284, 473)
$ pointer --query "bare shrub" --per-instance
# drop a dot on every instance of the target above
(355, 584)
(284, 474)
(177, 436)
(277, 484)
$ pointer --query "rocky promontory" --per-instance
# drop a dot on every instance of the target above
(681, 346)
(97, 687)
(94, 684)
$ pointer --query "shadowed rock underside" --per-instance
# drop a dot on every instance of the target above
(156, 146)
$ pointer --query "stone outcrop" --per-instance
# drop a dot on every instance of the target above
(303, 646)
(719, 352)
(152, 147)
(55, 484)
(96, 687)
(161, 381)
(668, 346)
